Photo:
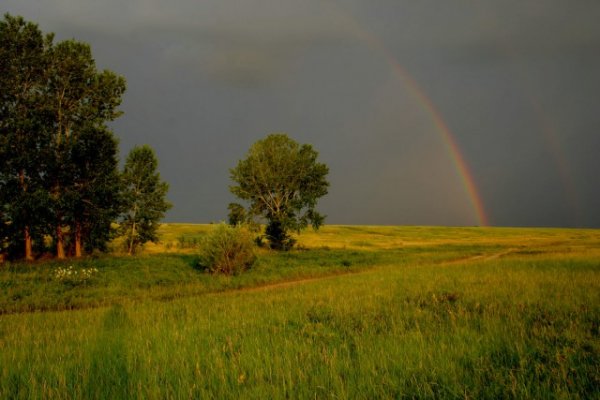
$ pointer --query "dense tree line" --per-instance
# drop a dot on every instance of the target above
(59, 181)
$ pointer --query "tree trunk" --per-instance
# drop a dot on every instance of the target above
(132, 238)
(28, 247)
(60, 245)
(131, 241)
(27, 234)
(78, 240)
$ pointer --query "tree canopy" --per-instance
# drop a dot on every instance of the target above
(281, 181)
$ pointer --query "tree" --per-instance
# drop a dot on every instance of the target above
(93, 196)
(236, 215)
(22, 130)
(143, 198)
(80, 101)
(57, 157)
(282, 181)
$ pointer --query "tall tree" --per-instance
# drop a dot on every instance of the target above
(22, 130)
(93, 196)
(282, 181)
(143, 198)
(80, 99)
(57, 157)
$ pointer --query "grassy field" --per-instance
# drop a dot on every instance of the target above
(356, 312)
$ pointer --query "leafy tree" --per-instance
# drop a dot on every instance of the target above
(23, 67)
(80, 100)
(282, 181)
(143, 196)
(57, 157)
(93, 197)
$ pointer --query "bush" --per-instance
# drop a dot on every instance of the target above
(228, 250)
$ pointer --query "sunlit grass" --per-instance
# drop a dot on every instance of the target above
(389, 237)
(178, 238)
(448, 313)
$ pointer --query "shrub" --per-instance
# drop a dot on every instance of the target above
(228, 250)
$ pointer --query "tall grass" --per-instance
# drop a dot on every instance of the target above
(450, 320)
(38, 287)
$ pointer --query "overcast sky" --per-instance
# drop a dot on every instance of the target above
(516, 82)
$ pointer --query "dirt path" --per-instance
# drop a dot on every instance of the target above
(302, 281)
(296, 282)
(481, 257)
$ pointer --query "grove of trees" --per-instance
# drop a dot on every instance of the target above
(61, 192)
(59, 181)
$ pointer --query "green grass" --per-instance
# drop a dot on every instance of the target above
(35, 287)
(473, 313)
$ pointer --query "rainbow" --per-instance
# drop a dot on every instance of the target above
(464, 173)
(458, 160)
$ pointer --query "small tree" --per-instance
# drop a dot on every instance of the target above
(143, 196)
(282, 182)
(236, 215)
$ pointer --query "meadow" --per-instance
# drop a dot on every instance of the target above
(354, 312)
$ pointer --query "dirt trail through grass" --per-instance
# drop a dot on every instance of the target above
(297, 282)
(480, 257)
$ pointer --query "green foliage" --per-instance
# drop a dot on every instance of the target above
(57, 157)
(93, 197)
(282, 182)
(184, 242)
(83, 166)
(143, 194)
(228, 250)
(237, 214)
(23, 131)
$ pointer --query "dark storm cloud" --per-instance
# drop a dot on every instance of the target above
(516, 82)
